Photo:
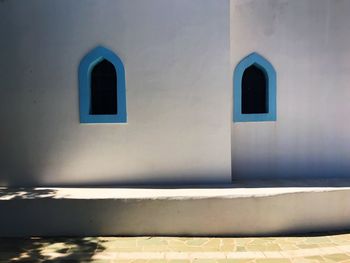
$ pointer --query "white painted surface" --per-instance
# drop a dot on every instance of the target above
(72, 212)
(178, 85)
(179, 58)
(155, 193)
(308, 43)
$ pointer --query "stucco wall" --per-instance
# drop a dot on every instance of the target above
(178, 86)
(173, 212)
(308, 42)
(179, 91)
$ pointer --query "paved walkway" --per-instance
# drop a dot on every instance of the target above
(332, 248)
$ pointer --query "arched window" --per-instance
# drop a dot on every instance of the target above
(102, 88)
(254, 90)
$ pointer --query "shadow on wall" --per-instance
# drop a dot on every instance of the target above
(266, 163)
(49, 193)
(290, 182)
(50, 249)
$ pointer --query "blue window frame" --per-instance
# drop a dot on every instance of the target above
(263, 65)
(86, 66)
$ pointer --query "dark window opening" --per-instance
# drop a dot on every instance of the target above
(103, 89)
(254, 91)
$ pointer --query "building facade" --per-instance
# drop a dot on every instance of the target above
(180, 68)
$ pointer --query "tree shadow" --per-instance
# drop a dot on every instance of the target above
(26, 193)
(37, 249)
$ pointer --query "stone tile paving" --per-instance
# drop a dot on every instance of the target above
(331, 248)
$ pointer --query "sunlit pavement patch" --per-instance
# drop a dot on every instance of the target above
(331, 248)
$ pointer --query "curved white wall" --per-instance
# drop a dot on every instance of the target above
(178, 86)
(308, 42)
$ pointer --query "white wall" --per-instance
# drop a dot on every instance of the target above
(173, 212)
(179, 91)
(308, 42)
(178, 84)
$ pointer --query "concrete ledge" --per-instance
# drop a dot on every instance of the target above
(173, 212)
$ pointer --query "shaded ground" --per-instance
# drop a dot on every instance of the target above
(332, 248)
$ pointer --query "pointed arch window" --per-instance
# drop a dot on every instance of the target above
(254, 90)
(102, 97)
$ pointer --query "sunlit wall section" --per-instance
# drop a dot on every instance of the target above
(308, 43)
